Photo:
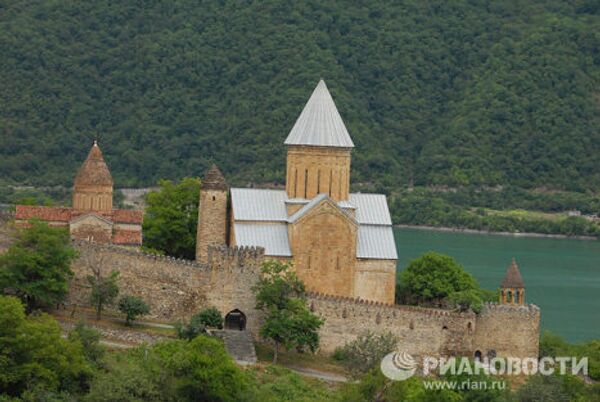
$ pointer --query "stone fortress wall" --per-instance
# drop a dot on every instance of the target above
(175, 289)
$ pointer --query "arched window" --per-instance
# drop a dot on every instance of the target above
(478, 355)
(509, 298)
(517, 298)
(470, 327)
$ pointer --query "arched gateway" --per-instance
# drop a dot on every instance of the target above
(235, 320)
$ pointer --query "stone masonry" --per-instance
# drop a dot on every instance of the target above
(176, 289)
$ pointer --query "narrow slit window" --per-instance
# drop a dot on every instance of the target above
(305, 182)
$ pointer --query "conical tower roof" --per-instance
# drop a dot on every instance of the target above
(94, 171)
(320, 123)
(214, 179)
(513, 278)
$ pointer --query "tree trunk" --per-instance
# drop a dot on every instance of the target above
(275, 352)
(98, 311)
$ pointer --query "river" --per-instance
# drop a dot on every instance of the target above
(562, 276)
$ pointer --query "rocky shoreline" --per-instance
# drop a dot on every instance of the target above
(488, 232)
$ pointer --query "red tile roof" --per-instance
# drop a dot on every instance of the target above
(128, 216)
(59, 214)
(130, 237)
(50, 214)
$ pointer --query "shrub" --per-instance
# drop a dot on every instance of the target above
(366, 351)
(209, 317)
(132, 307)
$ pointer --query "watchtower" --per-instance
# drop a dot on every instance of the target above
(512, 289)
(212, 213)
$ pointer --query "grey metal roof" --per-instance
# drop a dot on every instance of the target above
(376, 241)
(320, 123)
(272, 236)
(261, 220)
(251, 204)
(304, 210)
(371, 209)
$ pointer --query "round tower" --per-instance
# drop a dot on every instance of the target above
(512, 288)
(93, 187)
(212, 213)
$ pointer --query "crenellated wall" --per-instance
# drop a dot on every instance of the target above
(176, 289)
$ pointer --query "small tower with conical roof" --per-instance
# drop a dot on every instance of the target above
(212, 213)
(318, 150)
(512, 288)
(93, 188)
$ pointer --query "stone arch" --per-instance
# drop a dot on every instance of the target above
(235, 320)
(478, 355)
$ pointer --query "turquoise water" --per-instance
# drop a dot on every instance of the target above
(562, 276)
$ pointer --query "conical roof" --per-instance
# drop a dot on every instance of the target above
(320, 123)
(214, 179)
(94, 171)
(513, 278)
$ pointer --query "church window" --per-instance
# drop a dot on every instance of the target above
(330, 181)
(305, 182)
(318, 181)
(337, 262)
(295, 183)
(214, 198)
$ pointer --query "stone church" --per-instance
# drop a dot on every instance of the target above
(340, 243)
(92, 216)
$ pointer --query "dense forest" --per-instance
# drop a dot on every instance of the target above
(433, 92)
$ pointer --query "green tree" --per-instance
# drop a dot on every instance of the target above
(132, 307)
(365, 352)
(34, 355)
(281, 296)
(104, 290)
(209, 317)
(199, 370)
(36, 267)
(90, 340)
(434, 279)
(171, 218)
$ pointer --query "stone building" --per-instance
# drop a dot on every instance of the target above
(340, 243)
(92, 216)
(512, 288)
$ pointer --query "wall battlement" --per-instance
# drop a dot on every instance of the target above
(247, 258)
(526, 309)
(140, 254)
(177, 288)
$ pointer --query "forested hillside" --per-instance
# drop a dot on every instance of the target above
(433, 92)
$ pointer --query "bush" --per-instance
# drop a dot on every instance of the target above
(209, 317)
(465, 300)
(365, 352)
(132, 307)
(90, 340)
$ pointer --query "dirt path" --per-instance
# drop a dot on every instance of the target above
(321, 375)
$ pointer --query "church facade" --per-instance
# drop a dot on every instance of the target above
(92, 216)
(340, 243)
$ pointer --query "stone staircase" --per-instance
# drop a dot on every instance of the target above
(239, 345)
